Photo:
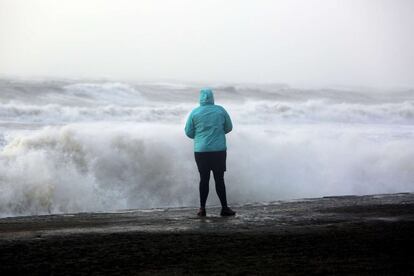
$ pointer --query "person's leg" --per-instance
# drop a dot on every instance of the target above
(221, 192)
(220, 187)
(204, 183)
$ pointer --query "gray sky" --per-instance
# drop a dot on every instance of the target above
(299, 42)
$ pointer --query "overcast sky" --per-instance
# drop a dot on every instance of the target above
(299, 42)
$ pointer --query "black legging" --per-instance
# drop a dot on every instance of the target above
(220, 187)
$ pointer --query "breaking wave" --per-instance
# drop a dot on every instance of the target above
(256, 112)
(97, 167)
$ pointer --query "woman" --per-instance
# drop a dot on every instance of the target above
(207, 125)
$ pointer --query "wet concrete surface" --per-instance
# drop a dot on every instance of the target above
(345, 235)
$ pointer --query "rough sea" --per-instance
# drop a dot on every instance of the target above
(89, 146)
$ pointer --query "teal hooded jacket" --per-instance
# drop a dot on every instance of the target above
(208, 124)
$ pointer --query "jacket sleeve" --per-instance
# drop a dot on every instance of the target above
(228, 126)
(189, 127)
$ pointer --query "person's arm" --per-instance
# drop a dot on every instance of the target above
(228, 126)
(189, 127)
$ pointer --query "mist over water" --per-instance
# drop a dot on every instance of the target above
(71, 146)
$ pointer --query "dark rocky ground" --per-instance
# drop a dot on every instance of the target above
(350, 235)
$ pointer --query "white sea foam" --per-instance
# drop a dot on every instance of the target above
(249, 112)
(98, 147)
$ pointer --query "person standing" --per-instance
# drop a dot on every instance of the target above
(207, 125)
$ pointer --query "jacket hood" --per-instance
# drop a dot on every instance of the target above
(206, 96)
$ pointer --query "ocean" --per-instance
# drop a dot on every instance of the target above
(97, 146)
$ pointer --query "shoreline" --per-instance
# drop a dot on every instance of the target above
(359, 235)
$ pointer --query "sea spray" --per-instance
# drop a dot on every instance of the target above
(107, 166)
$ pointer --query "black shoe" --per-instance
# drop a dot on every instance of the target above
(202, 212)
(226, 212)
